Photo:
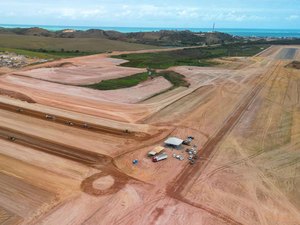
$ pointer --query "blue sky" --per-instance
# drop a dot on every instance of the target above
(155, 13)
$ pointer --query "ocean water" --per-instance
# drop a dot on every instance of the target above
(279, 33)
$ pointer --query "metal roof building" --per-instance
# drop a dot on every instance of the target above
(173, 141)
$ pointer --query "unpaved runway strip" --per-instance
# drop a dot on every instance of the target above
(287, 53)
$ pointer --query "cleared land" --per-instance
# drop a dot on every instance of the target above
(80, 71)
(76, 166)
(287, 53)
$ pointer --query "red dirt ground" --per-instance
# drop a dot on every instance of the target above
(245, 119)
(81, 72)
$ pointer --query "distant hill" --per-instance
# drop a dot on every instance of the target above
(159, 38)
(178, 38)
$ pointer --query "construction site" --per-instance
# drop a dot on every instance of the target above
(224, 150)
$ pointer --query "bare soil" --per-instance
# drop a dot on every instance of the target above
(78, 167)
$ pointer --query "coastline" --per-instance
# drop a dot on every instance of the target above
(242, 32)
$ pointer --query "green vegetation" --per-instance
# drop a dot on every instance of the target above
(125, 82)
(190, 56)
(119, 83)
(163, 60)
(176, 79)
(294, 41)
(62, 53)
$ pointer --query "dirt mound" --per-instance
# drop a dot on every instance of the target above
(16, 95)
(294, 65)
(58, 65)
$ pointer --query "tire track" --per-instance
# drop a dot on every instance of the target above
(289, 76)
(192, 172)
(91, 159)
(74, 123)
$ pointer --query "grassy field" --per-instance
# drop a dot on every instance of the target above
(176, 79)
(125, 82)
(189, 57)
(91, 45)
(119, 83)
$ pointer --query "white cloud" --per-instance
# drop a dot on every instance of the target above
(143, 13)
(293, 17)
(74, 13)
(148, 11)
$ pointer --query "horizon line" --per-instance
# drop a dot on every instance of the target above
(94, 26)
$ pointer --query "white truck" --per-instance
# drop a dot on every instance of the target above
(160, 157)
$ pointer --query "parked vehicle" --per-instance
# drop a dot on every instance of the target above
(179, 157)
(160, 157)
(151, 153)
(192, 162)
(187, 141)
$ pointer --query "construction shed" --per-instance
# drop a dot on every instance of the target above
(156, 150)
(174, 142)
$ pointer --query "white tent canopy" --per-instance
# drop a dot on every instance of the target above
(173, 141)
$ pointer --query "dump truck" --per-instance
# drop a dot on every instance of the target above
(155, 151)
(70, 123)
(20, 110)
(50, 117)
(160, 157)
